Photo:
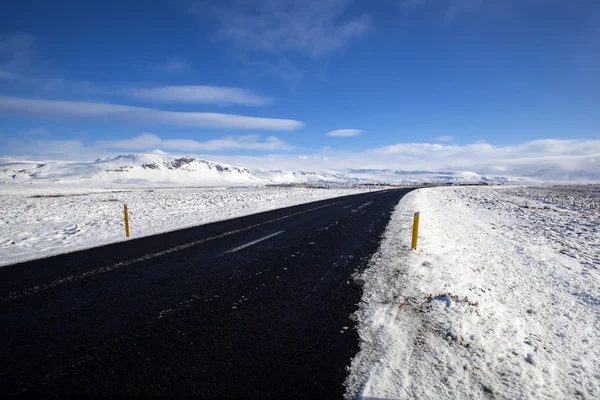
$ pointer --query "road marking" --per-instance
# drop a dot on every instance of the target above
(348, 206)
(252, 243)
(363, 206)
(109, 268)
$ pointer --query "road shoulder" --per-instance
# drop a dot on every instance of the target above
(492, 303)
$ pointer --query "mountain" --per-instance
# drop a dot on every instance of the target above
(381, 175)
(557, 173)
(131, 169)
(287, 177)
(160, 168)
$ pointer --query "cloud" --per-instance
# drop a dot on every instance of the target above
(411, 3)
(523, 159)
(281, 68)
(444, 138)
(72, 149)
(39, 131)
(313, 27)
(58, 149)
(487, 159)
(89, 110)
(149, 141)
(344, 133)
(175, 65)
(17, 53)
(8, 75)
(451, 11)
(201, 94)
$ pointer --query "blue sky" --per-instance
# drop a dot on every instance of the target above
(252, 80)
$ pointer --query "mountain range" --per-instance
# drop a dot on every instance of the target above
(159, 168)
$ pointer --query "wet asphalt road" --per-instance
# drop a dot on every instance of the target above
(258, 306)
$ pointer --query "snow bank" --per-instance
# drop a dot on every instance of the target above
(502, 300)
(38, 222)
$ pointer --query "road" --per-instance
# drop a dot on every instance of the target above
(258, 306)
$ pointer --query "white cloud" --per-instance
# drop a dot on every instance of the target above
(411, 3)
(344, 132)
(149, 141)
(444, 138)
(36, 148)
(451, 11)
(79, 109)
(39, 131)
(175, 65)
(8, 75)
(313, 27)
(518, 160)
(201, 94)
(482, 157)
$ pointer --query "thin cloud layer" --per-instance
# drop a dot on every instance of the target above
(17, 52)
(33, 147)
(581, 156)
(313, 27)
(201, 94)
(344, 133)
(89, 110)
(149, 141)
(175, 65)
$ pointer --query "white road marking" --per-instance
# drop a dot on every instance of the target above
(361, 207)
(101, 270)
(348, 206)
(252, 243)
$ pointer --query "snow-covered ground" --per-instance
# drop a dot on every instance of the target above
(501, 300)
(41, 221)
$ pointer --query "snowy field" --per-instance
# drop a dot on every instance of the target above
(581, 198)
(502, 299)
(38, 222)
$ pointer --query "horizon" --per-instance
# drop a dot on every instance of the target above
(508, 88)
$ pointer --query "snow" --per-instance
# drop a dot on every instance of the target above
(39, 221)
(127, 170)
(158, 168)
(384, 175)
(500, 300)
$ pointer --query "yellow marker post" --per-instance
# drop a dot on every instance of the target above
(415, 235)
(126, 212)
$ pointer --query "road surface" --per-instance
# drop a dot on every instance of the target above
(258, 306)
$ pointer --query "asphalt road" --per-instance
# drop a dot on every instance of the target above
(258, 306)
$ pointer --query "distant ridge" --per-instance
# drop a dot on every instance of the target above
(160, 168)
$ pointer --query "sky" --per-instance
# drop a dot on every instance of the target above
(493, 85)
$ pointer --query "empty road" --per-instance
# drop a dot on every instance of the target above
(258, 306)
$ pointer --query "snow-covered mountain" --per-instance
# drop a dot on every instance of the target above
(382, 175)
(159, 168)
(556, 173)
(132, 169)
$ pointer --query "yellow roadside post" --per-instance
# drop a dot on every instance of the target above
(126, 212)
(415, 233)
